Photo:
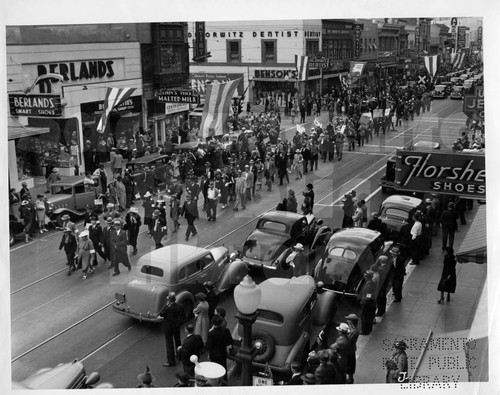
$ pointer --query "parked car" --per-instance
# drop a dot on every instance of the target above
(350, 253)
(70, 375)
(70, 196)
(178, 268)
(267, 247)
(457, 92)
(396, 209)
(290, 315)
(439, 92)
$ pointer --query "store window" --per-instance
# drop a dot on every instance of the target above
(269, 51)
(312, 47)
(234, 51)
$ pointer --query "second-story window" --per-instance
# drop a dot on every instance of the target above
(234, 51)
(312, 47)
(269, 51)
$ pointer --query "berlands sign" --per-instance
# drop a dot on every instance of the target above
(451, 173)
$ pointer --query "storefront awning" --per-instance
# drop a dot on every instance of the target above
(17, 132)
(473, 247)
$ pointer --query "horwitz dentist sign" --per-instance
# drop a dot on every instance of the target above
(453, 173)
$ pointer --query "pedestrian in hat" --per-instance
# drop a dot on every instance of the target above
(397, 364)
(86, 253)
(27, 216)
(106, 239)
(67, 223)
(202, 324)
(149, 206)
(192, 345)
(297, 261)
(132, 225)
(348, 209)
(189, 211)
(212, 298)
(308, 379)
(146, 379)
(118, 244)
(385, 272)
(368, 297)
(325, 372)
(174, 316)
(96, 236)
(448, 281)
(157, 228)
(218, 340)
(68, 242)
(40, 212)
(399, 272)
(24, 192)
(352, 334)
(341, 347)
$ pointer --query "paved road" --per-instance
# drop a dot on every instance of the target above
(46, 305)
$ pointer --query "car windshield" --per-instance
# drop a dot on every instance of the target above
(396, 213)
(262, 250)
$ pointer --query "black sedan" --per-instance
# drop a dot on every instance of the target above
(265, 250)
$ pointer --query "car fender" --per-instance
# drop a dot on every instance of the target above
(297, 351)
(325, 308)
(232, 274)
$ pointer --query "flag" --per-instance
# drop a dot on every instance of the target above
(356, 71)
(114, 96)
(343, 82)
(431, 64)
(302, 64)
(216, 109)
(457, 60)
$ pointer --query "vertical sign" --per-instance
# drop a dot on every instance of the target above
(199, 46)
(357, 40)
(462, 30)
(479, 38)
(417, 38)
(454, 24)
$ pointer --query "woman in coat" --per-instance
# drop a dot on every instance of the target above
(448, 281)
(200, 312)
(85, 253)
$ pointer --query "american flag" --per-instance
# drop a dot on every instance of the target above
(302, 64)
(114, 96)
(431, 64)
(216, 109)
(457, 59)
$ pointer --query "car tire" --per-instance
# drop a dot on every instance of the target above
(264, 343)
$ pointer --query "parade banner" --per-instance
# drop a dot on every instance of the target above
(356, 71)
(378, 113)
(387, 112)
(365, 118)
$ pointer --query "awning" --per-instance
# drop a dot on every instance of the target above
(17, 132)
(473, 247)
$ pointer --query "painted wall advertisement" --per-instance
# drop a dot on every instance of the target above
(450, 173)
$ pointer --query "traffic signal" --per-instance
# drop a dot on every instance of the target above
(240, 106)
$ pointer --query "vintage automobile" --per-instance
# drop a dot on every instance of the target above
(178, 268)
(156, 160)
(70, 375)
(350, 253)
(457, 92)
(439, 92)
(396, 209)
(70, 196)
(229, 138)
(265, 250)
(290, 315)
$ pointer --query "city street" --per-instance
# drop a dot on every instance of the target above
(56, 318)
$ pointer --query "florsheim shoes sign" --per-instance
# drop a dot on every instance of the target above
(451, 173)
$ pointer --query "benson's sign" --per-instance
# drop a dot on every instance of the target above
(450, 173)
(35, 105)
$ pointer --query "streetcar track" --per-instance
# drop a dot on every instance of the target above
(114, 337)
(43, 304)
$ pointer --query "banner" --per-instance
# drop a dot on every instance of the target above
(378, 113)
(199, 81)
(365, 118)
(431, 64)
(114, 96)
(216, 109)
(356, 70)
(302, 65)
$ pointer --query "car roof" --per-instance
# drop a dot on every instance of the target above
(171, 257)
(286, 295)
(402, 200)
(285, 217)
(68, 181)
(60, 376)
(353, 238)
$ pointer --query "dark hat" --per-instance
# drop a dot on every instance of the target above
(208, 284)
(201, 296)
(394, 250)
(310, 186)
(308, 378)
(217, 320)
(190, 328)
(182, 376)
(324, 356)
(171, 296)
(352, 317)
(400, 344)
(109, 220)
(93, 217)
(156, 213)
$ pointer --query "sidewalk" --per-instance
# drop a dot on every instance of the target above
(419, 313)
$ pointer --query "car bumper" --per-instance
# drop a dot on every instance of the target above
(121, 309)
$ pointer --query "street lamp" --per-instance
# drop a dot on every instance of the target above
(247, 298)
